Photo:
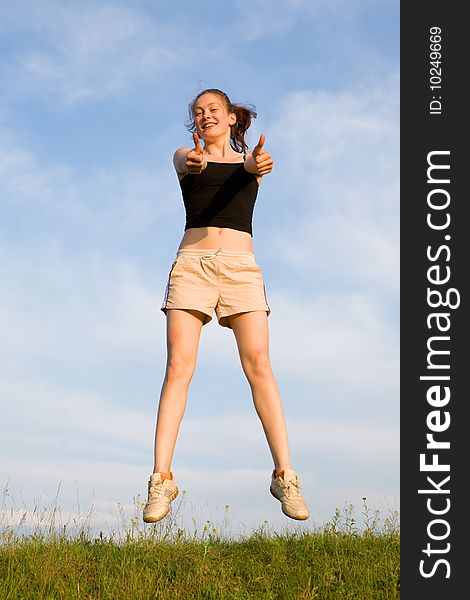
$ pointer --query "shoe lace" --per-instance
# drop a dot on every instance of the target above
(155, 490)
(293, 487)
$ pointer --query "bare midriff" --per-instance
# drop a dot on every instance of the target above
(217, 237)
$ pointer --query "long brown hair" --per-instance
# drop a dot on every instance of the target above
(244, 113)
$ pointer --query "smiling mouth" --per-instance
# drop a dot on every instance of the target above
(208, 126)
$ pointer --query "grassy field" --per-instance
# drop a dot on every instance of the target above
(162, 561)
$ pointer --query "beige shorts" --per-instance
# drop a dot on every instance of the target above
(221, 280)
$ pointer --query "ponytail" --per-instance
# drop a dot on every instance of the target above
(244, 115)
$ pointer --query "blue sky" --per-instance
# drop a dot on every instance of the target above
(93, 105)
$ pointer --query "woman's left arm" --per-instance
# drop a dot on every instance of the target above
(259, 162)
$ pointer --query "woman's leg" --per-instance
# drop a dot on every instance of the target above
(183, 332)
(251, 334)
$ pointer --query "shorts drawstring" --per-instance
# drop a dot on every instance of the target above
(213, 255)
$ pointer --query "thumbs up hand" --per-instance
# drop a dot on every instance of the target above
(263, 160)
(196, 162)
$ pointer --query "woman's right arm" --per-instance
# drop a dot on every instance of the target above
(190, 160)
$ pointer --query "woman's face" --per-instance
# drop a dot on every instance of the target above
(211, 117)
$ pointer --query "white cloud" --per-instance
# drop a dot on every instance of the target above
(266, 18)
(78, 313)
(23, 179)
(335, 336)
(60, 204)
(89, 50)
(335, 188)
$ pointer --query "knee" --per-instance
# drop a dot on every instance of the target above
(257, 364)
(178, 370)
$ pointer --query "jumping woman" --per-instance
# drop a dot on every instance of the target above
(215, 269)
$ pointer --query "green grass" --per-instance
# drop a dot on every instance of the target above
(162, 561)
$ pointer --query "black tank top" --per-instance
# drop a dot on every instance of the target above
(223, 195)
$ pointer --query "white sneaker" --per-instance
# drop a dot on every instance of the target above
(160, 494)
(286, 489)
